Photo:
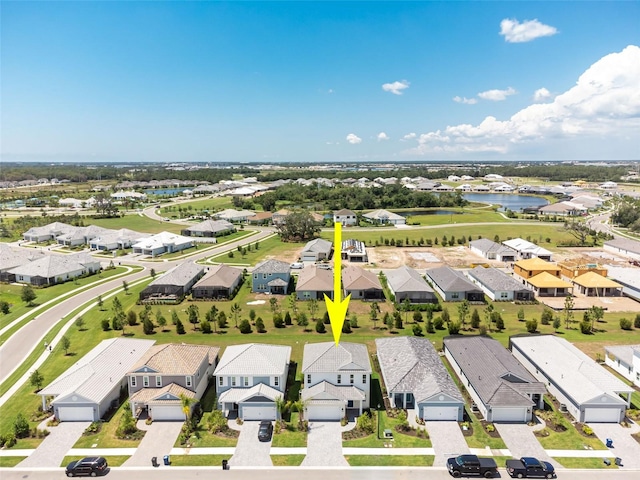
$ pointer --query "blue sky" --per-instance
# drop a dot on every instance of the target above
(326, 81)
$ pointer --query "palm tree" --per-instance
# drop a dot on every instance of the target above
(186, 405)
(281, 406)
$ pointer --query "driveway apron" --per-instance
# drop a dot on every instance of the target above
(522, 442)
(251, 452)
(55, 446)
(447, 441)
(624, 446)
(157, 442)
(324, 445)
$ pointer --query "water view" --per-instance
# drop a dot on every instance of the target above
(514, 202)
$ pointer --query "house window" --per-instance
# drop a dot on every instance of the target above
(455, 295)
(364, 379)
(233, 381)
(221, 381)
(339, 379)
(308, 378)
(264, 276)
(158, 381)
(351, 379)
(188, 381)
(276, 381)
(145, 381)
(255, 275)
(133, 381)
(246, 381)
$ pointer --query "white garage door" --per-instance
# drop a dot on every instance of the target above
(325, 412)
(509, 414)
(75, 414)
(440, 413)
(258, 413)
(602, 415)
(166, 412)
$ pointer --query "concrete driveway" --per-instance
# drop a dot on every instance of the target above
(56, 445)
(522, 442)
(251, 452)
(324, 445)
(447, 441)
(624, 446)
(157, 442)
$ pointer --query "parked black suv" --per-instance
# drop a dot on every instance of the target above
(265, 431)
(87, 467)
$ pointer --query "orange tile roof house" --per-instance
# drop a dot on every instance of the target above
(546, 285)
(592, 284)
(534, 266)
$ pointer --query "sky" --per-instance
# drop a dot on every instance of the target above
(319, 81)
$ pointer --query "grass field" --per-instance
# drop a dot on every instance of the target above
(137, 222)
(390, 460)
(8, 462)
(197, 206)
(579, 462)
(287, 460)
(271, 247)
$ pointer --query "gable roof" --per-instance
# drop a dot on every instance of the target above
(95, 374)
(254, 359)
(535, 263)
(522, 245)
(14, 257)
(326, 389)
(546, 280)
(179, 275)
(219, 276)
(624, 352)
(318, 245)
(495, 374)
(328, 357)
(175, 358)
(237, 395)
(172, 393)
(162, 239)
(356, 278)
(383, 215)
(344, 211)
(52, 266)
(272, 266)
(406, 279)
(211, 226)
(595, 280)
(316, 279)
(487, 246)
(450, 280)
(627, 244)
(411, 364)
(496, 280)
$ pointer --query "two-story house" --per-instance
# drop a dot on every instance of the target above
(271, 276)
(166, 373)
(346, 217)
(336, 378)
(249, 379)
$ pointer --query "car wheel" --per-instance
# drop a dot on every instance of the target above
(520, 475)
(549, 475)
(69, 474)
(94, 474)
(455, 474)
(488, 474)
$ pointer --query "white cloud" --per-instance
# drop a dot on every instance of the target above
(353, 139)
(603, 104)
(468, 101)
(516, 32)
(382, 136)
(541, 95)
(395, 87)
(409, 136)
(497, 95)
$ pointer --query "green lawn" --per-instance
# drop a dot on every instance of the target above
(570, 439)
(137, 222)
(106, 438)
(272, 247)
(579, 462)
(198, 460)
(290, 437)
(8, 462)
(196, 207)
(287, 460)
(400, 440)
(112, 460)
(390, 460)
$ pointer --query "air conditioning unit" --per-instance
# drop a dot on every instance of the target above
(563, 408)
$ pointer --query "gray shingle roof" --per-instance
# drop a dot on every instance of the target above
(625, 244)
(254, 359)
(56, 265)
(211, 226)
(450, 280)
(220, 276)
(318, 245)
(406, 279)
(328, 357)
(176, 358)
(411, 364)
(494, 373)
(496, 280)
(272, 266)
(14, 257)
(485, 245)
(179, 275)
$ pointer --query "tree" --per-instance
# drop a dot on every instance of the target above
(596, 314)
(222, 320)
(21, 426)
(397, 320)
(260, 325)
(578, 230)
(245, 326)
(454, 328)
(463, 312)
(252, 316)
(236, 310)
(556, 324)
(346, 326)
(194, 315)
(547, 316)
(293, 304)
(521, 314)
(373, 313)
(406, 306)
(313, 307)
(475, 318)
(325, 318)
(273, 304)
(180, 328)
(28, 295)
(278, 321)
(430, 328)
(5, 307)
(388, 320)
(36, 379)
(186, 405)
(417, 317)
(153, 273)
(417, 330)
(132, 318)
(488, 310)
(568, 311)
(100, 303)
(320, 328)
(148, 327)
(125, 287)
(65, 343)
(205, 326)
(105, 325)
(302, 321)
(531, 325)
(446, 318)
(298, 227)
(287, 318)
(174, 317)
(80, 323)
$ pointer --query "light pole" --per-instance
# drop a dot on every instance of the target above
(378, 421)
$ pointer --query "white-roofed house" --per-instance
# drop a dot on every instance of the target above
(624, 359)
(589, 392)
(91, 387)
(163, 242)
(385, 217)
(249, 379)
(47, 232)
(527, 249)
(53, 269)
(336, 378)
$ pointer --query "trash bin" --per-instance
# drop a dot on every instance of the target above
(607, 462)
(154, 461)
(609, 443)
(618, 461)
(167, 460)
(225, 465)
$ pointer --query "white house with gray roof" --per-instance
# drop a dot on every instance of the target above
(116, 239)
(249, 379)
(316, 250)
(624, 359)
(589, 392)
(416, 378)
(53, 269)
(346, 217)
(624, 246)
(493, 251)
(499, 286)
(11, 258)
(502, 389)
(405, 282)
(336, 378)
(91, 387)
(385, 217)
(209, 228)
(163, 242)
(47, 232)
(453, 286)
(527, 249)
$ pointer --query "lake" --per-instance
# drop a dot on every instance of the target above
(511, 201)
(165, 191)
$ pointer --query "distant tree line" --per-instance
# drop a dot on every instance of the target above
(627, 214)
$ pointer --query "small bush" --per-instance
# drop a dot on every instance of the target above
(625, 324)
(490, 428)
(92, 429)
(585, 327)
(180, 328)
(454, 328)
(106, 325)
(320, 328)
(245, 326)
(205, 326)
(587, 430)
(21, 426)
(636, 321)
(532, 325)
(417, 330)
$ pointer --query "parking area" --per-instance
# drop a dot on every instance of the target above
(55, 446)
(251, 452)
(447, 440)
(624, 445)
(157, 442)
(522, 442)
(324, 445)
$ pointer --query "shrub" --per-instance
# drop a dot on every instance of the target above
(325, 318)
(417, 330)
(106, 325)
(625, 324)
(245, 326)
(346, 327)
(454, 328)
(205, 326)
(475, 318)
(430, 328)
(532, 325)
(438, 323)
(320, 328)
(260, 325)
(636, 321)
(365, 423)
(490, 428)
(147, 326)
(21, 426)
(180, 328)
(482, 329)
(92, 429)
(500, 322)
(547, 316)
(287, 319)
(278, 321)
(585, 327)
(587, 430)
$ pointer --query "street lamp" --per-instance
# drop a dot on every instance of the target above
(378, 421)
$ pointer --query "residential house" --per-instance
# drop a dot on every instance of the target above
(209, 228)
(165, 374)
(11, 258)
(406, 283)
(250, 378)
(271, 276)
(571, 269)
(588, 391)
(53, 269)
(629, 278)
(624, 246)
(336, 378)
(280, 217)
(163, 242)
(564, 209)
(316, 250)
(47, 232)
(220, 282)
(346, 217)
(499, 286)
(384, 217)
(174, 285)
(531, 267)
(354, 251)
(117, 240)
(453, 286)
(235, 216)
(261, 218)
(314, 283)
(546, 285)
(416, 378)
(592, 284)
(81, 236)
(624, 359)
(500, 387)
(361, 284)
(493, 251)
(91, 387)
(527, 249)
